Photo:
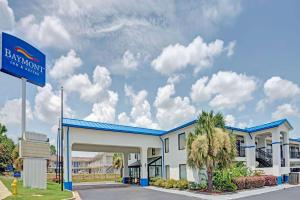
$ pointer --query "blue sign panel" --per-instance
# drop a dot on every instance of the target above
(17, 174)
(10, 168)
(22, 60)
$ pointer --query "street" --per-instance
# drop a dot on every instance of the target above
(139, 193)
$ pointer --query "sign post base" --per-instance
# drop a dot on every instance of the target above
(35, 150)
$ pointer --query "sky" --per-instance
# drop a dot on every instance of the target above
(156, 64)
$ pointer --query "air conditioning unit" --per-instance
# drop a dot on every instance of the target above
(294, 178)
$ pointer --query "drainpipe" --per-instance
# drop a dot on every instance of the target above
(163, 158)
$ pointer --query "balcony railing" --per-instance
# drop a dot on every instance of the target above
(295, 155)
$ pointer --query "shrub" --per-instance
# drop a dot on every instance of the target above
(222, 181)
(196, 186)
(154, 179)
(182, 184)
(193, 186)
(171, 183)
(159, 183)
(240, 182)
(202, 186)
(240, 170)
(270, 180)
(258, 173)
(254, 182)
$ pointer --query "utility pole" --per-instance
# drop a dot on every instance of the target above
(62, 138)
(58, 154)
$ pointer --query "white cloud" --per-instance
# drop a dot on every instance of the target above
(49, 32)
(285, 110)
(200, 92)
(104, 110)
(277, 88)
(198, 54)
(230, 120)
(89, 91)
(11, 112)
(141, 109)
(261, 105)
(7, 18)
(172, 111)
(65, 65)
(175, 78)
(245, 124)
(129, 61)
(230, 48)
(225, 89)
(48, 105)
(124, 119)
(54, 129)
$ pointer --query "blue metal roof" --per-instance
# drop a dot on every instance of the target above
(268, 125)
(246, 130)
(137, 130)
(181, 126)
(262, 127)
(109, 127)
(295, 139)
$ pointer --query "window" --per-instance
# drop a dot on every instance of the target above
(181, 141)
(167, 171)
(129, 156)
(135, 156)
(182, 171)
(153, 151)
(167, 145)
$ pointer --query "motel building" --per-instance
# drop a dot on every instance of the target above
(162, 153)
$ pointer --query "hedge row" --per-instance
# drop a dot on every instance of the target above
(171, 183)
(255, 181)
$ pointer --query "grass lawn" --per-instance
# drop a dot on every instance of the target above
(51, 193)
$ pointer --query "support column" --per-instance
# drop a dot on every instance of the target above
(286, 149)
(67, 160)
(276, 154)
(261, 142)
(125, 169)
(250, 151)
(144, 168)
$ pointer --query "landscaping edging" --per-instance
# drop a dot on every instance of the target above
(236, 195)
(4, 192)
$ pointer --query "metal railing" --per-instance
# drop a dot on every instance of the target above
(264, 158)
(294, 154)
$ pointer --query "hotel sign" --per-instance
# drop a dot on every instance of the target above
(22, 60)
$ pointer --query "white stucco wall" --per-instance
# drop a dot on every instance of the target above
(176, 156)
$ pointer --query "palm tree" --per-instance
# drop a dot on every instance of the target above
(118, 162)
(210, 146)
(3, 129)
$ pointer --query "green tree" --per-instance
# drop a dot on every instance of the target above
(6, 148)
(118, 161)
(52, 150)
(18, 162)
(210, 146)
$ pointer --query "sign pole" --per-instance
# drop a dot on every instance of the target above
(23, 126)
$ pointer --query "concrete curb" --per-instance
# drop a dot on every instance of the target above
(4, 192)
(76, 195)
(241, 194)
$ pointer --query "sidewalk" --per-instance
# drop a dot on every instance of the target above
(237, 195)
(4, 192)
